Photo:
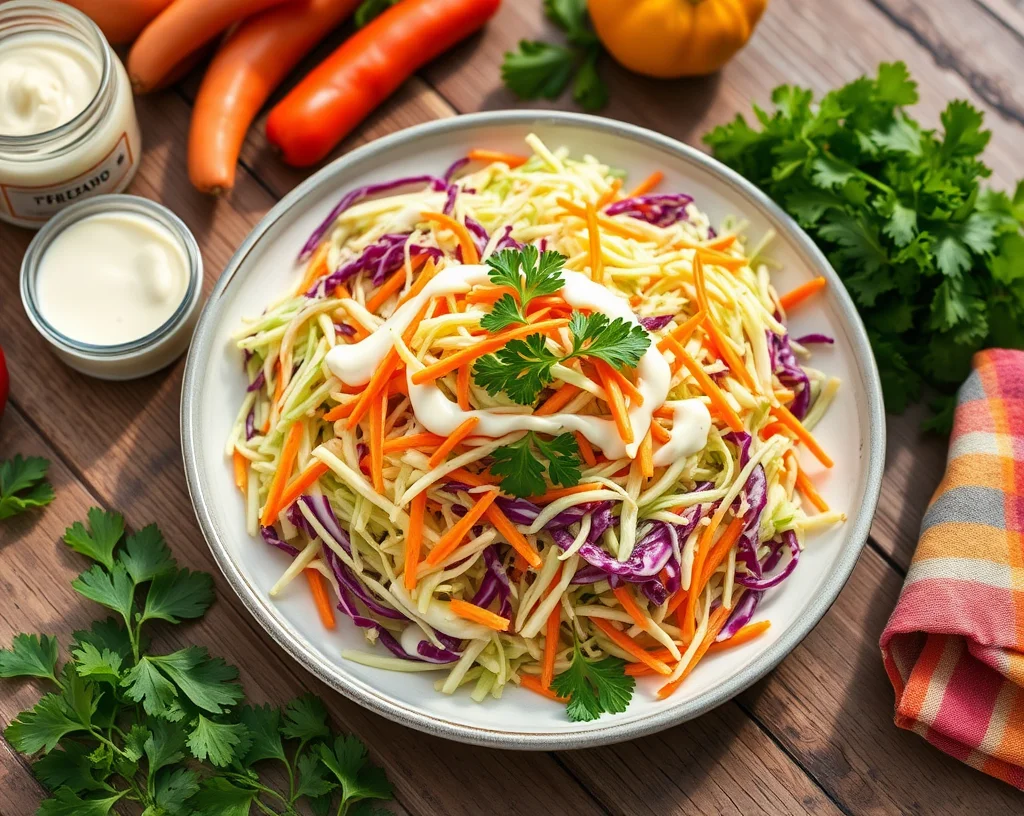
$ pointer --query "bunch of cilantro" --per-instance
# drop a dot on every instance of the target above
(934, 262)
(166, 732)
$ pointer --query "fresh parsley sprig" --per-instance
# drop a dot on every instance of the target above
(594, 687)
(522, 469)
(932, 260)
(23, 485)
(165, 731)
(530, 273)
(540, 69)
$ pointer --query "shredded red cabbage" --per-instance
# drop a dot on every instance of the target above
(355, 196)
(662, 209)
(506, 241)
(495, 584)
(741, 615)
(787, 367)
(454, 168)
(270, 536)
(812, 339)
(345, 329)
(250, 424)
(768, 581)
(258, 382)
(656, 323)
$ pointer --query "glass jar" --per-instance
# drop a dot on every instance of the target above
(137, 357)
(97, 151)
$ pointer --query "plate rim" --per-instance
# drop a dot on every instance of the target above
(859, 526)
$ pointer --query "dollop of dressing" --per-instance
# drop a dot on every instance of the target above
(355, 364)
(46, 80)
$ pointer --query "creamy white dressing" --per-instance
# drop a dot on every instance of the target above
(46, 80)
(355, 364)
(690, 426)
(111, 278)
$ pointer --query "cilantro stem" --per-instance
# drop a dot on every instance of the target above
(866, 177)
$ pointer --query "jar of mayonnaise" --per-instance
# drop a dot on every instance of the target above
(68, 129)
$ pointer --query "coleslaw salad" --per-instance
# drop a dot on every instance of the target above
(375, 446)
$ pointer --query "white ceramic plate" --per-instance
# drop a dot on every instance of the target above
(853, 433)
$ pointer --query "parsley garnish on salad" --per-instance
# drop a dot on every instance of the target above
(594, 687)
(166, 731)
(522, 471)
(932, 260)
(23, 485)
(531, 273)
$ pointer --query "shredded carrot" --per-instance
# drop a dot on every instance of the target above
(562, 397)
(630, 646)
(534, 684)
(744, 635)
(771, 429)
(801, 293)
(395, 282)
(301, 483)
(469, 253)
(454, 438)
(414, 539)
(648, 184)
(610, 225)
(378, 408)
(285, 463)
(627, 388)
(472, 479)
(729, 354)
(317, 267)
(561, 492)
(419, 440)
(635, 300)
(715, 624)
(805, 486)
(700, 284)
(616, 402)
(682, 333)
(608, 195)
(472, 612)
(462, 387)
(714, 393)
(491, 294)
(661, 436)
(513, 160)
(278, 383)
(318, 586)
(493, 343)
(720, 551)
(645, 455)
(340, 411)
(594, 239)
(516, 539)
(430, 269)
(586, 450)
(630, 606)
(241, 469)
(785, 416)
(379, 380)
(450, 540)
(551, 632)
(341, 291)
(721, 242)
(700, 556)
(712, 256)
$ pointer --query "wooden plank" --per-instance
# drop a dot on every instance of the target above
(831, 704)
(122, 440)
(140, 472)
(966, 38)
(1009, 13)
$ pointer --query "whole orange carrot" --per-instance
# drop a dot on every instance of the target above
(251, 63)
(365, 70)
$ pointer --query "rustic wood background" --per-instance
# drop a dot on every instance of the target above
(814, 736)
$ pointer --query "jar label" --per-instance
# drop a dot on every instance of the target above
(40, 203)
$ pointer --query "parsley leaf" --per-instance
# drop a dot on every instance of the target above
(145, 684)
(23, 485)
(173, 791)
(618, 342)
(43, 726)
(174, 596)
(68, 803)
(305, 718)
(220, 797)
(69, 767)
(540, 69)
(359, 778)
(521, 368)
(91, 662)
(221, 743)
(30, 656)
(264, 724)
(99, 541)
(313, 781)
(523, 470)
(113, 589)
(594, 687)
(528, 271)
(204, 680)
(900, 210)
(145, 555)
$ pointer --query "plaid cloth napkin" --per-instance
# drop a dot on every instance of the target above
(954, 646)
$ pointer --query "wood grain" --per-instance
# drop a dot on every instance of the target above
(121, 440)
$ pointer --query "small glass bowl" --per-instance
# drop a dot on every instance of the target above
(137, 358)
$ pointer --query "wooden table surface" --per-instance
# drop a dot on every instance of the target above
(816, 735)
